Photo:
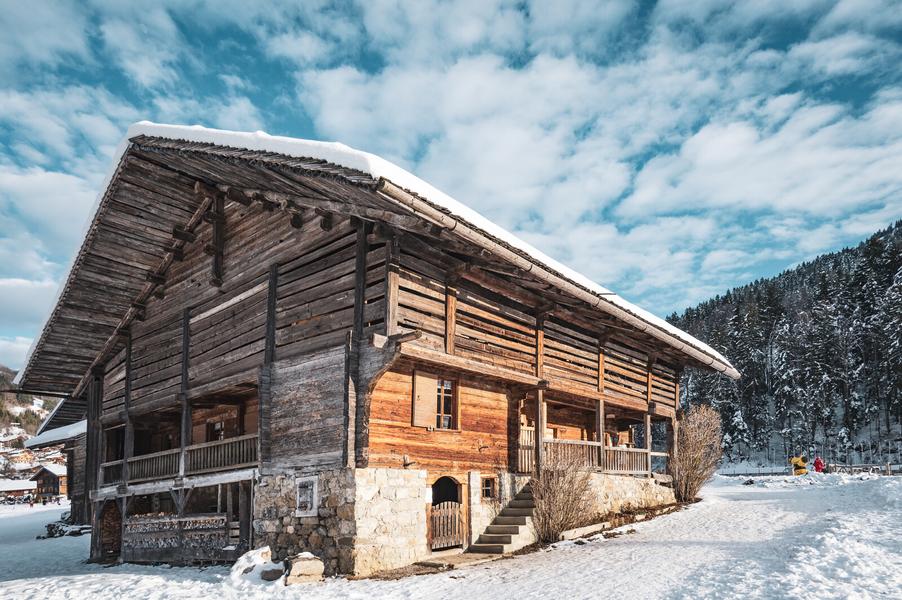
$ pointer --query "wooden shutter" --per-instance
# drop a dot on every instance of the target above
(424, 399)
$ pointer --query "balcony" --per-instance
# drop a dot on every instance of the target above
(590, 455)
(209, 457)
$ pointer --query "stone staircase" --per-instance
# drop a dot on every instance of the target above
(511, 529)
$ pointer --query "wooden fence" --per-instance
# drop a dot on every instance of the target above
(447, 527)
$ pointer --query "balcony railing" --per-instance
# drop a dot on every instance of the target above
(159, 465)
(209, 457)
(221, 455)
(590, 455)
(111, 472)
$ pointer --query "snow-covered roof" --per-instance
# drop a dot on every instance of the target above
(58, 470)
(15, 485)
(58, 435)
(379, 168)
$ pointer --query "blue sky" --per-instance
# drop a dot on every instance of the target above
(669, 150)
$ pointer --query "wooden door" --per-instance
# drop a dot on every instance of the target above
(447, 527)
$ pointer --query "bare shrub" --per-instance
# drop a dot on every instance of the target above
(698, 452)
(562, 494)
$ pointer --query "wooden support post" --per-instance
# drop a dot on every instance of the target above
(94, 439)
(353, 409)
(217, 210)
(599, 431)
(128, 443)
(601, 344)
(185, 421)
(539, 433)
(540, 345)
(648, 441)
(244, 514)
(450, 317)
(393, 255)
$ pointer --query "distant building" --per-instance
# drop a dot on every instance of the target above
(51, 481)
(16, 488)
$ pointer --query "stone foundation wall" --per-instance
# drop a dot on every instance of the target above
(328, 532)
(390, 512)
(614, 493)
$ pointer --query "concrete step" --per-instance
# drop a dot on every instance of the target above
(494, 538)
(508, 529)
(524, 503)
(516, 512)
(503, 520)
(489, 548)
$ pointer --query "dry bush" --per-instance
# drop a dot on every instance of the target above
(562, 494)
(698, 453)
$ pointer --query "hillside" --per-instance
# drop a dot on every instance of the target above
(22, 409)
(820, 350)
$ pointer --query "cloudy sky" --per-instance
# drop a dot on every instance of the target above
(669, 150)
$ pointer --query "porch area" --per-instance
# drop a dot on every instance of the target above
(215, 438)
(616, 441)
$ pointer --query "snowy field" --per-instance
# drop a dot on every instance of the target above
(819, 536)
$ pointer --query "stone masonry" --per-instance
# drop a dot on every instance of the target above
(390, 509)
(328, 533)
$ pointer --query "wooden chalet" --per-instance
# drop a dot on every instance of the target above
(293, 343)
(51, 480)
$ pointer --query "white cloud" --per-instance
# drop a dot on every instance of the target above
(38, 34)
(24, 303)
(13, 351)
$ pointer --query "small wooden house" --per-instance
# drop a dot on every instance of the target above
(51, 481)
(72, 438)
(293, 343)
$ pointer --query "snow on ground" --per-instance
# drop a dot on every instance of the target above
(818, 536)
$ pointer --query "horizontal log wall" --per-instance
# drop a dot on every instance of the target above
(227, 324)
(498, 331)
(481, 443)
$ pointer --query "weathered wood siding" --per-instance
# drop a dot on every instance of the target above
(227, 324)
(497, 330)
(481, 442)
(309, 409)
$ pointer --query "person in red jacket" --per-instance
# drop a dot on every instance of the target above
(818, 464)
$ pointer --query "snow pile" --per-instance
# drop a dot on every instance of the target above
(249, 569)
(814, 479)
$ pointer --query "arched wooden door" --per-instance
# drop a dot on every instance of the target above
(446, 524)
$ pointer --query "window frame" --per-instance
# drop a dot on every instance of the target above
(454, 413)
(492, 485)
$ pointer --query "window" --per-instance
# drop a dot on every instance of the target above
(489, 488)
(307, 497)
(444, 405)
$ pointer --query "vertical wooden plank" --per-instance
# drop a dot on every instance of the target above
(393, 254)
(450, 317)
(128, 449)
(540, 347)
(244, 515)
(264, 382)
(217, 210)
(183, 394)
(648, 441)
(539, 436)
(599, 430)
(269, 353)
(601, 366)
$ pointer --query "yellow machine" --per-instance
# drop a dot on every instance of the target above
(799, 465)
